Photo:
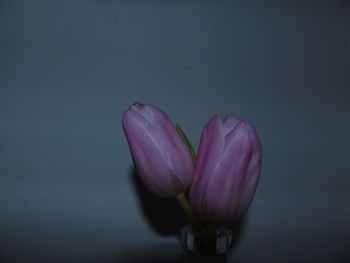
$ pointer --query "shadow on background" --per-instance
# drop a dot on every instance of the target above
(163, 215)
(151, 253)
(170, 253)
(166, 217)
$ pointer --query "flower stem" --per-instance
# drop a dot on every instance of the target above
(188, 211)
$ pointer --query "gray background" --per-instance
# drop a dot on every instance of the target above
(68, 69)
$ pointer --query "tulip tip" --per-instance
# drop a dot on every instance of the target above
(138, 103)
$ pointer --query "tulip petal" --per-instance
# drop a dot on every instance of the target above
(229, 123)
(224, 189)
(210, 148)
(227, 170)
(161, 157)
(144, 149)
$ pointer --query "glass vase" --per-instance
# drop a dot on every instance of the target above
(206, 246)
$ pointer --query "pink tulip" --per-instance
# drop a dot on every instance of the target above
(162, 159)
(227, 170)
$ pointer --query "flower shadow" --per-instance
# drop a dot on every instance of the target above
(151, 253)
(165, 216)
(160, 253)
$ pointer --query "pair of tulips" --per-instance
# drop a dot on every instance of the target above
(222, 177)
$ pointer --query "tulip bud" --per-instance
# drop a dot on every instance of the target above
(227, 170)
(162, 159)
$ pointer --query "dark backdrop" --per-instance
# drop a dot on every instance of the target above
(68, 69)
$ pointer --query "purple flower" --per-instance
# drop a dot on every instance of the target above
(227, 170)
(162, 159)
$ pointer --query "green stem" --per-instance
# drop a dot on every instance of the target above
(205, 243)
(188, 211)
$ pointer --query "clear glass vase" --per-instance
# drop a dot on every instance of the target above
(217, 244)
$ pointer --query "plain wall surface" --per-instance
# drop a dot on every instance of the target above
(68, 69)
